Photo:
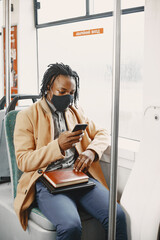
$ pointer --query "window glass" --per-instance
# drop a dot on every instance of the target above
(100, 6)
(132, 3)
(89, 55)
(54, 10)
(87, 48)
(131, 92)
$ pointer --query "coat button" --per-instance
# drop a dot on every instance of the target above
(26, 191)
(39, 171)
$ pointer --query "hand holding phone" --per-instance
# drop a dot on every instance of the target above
(69, 139)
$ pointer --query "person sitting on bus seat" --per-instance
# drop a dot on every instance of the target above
(43, 140)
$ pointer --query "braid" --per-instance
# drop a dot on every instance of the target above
(53, 71)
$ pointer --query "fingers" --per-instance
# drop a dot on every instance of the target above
(79, 132)
(84, 160)
(82, 163)
(68, 139)
(76, 138)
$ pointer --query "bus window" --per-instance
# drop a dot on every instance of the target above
(53, 10)
(87, 46)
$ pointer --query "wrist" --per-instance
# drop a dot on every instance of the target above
(95, 155)
(62, 151)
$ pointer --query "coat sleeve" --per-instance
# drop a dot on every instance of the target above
(99, 136)
(28, 157)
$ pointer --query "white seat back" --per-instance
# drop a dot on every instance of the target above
(141, 196)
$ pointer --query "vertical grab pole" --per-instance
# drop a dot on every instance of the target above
(8, 50)
(115, 120)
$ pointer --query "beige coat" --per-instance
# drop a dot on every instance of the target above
(35, 149)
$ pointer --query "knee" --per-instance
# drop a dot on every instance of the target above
(121, 218)
(70, 229)
(121, 227)
(104, 220)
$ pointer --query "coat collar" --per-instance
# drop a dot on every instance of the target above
(70, 118)
(45, 106)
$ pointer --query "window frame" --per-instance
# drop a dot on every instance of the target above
(88, 16)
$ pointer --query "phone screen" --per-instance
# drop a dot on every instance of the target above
(79, 127)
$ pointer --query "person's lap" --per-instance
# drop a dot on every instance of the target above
(55, 206)
(96, 203)
(61, 209)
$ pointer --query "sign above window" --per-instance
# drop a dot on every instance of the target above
(88, 32)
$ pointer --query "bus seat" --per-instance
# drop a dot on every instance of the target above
(4, 165)
(2, 114)
(37, 216)
(141, 196)
(4, 162)
(91, 228)
(15, 173)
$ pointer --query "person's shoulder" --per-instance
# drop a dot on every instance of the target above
(78, 112)
(29, 111)
(77, 109)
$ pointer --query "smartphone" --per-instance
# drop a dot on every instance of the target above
(79, 127)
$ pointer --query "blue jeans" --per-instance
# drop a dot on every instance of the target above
(61, 210)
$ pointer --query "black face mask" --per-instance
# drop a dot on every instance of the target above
(62, 102)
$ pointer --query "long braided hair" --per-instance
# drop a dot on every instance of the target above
(53, 71)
